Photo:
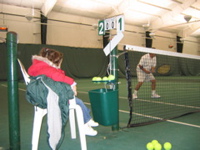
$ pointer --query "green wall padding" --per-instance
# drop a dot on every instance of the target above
(3, 61)
(77, 63)
(90, 62)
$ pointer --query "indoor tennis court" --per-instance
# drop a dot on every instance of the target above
(110, 48)
(182, 132)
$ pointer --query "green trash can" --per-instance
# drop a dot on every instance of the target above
(104, 104)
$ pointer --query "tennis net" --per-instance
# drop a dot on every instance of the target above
(177, 82)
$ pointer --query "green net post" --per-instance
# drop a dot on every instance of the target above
(114, 71)
(13, 103)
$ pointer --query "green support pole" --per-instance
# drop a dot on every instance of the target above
(114, 71)
(13, 103)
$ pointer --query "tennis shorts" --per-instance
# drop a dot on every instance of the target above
(143, 77)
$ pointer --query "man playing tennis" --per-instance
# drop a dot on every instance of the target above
(144, 69)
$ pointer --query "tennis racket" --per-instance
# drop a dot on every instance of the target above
(164, 69)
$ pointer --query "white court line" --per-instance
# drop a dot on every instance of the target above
(165, 103)
(18, 88)
(148, 116)
(4, 85)
(151, 101)
(124, 111)
(172, 121)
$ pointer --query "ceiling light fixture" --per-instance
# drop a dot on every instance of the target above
(182, 39)
(152, 34)
(31, 14)
(146, 26)
(29, 17)
(187, 18)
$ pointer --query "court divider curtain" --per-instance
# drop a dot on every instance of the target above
(178, 66)
(77, 63)
(90, 62)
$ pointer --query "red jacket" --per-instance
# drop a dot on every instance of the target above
(42, 66)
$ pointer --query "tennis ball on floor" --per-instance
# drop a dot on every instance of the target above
(154, 142)
(167, 146)
(111, 77)
(158, 146)
(149, 146)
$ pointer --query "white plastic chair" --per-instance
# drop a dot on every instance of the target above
(39, 113)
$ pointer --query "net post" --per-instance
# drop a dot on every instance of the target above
(114, 71)
(129, 84)
(13, 103)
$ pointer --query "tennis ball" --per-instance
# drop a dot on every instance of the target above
(158, 146)
(98, 79)
(154, 142)
(167, 146)
(105, 78)
(149, 146)
(94, 78)
(111, 77)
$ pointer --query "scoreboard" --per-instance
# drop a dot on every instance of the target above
(111, 23)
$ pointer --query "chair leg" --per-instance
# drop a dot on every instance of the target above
(37, 122)
(79, 116)
(72, 123)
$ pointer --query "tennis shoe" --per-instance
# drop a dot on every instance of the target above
(92, 123)
(155, 96)
(89, 130)
(134, 96)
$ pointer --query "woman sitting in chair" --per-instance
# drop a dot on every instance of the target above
(48, 63)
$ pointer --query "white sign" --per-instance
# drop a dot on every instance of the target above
(110, 23)
(120, 23)
(113, 43)
(101, 27)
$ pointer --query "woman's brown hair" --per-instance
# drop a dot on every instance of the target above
(52, 55)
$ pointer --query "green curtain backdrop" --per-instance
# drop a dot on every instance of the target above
(77, 63)
(90, 62)
(178, 66)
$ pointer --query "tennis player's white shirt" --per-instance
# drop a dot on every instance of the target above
(147, 62)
